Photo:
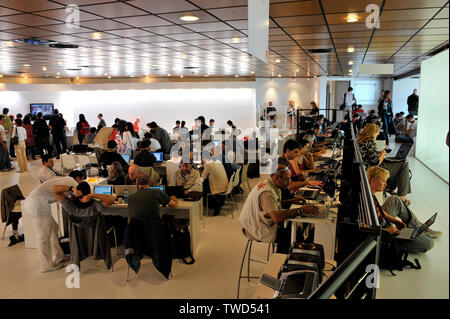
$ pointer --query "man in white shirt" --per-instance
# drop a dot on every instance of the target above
(20, 149)
(37, 204)
(215, 173)
(47, 172)
(262, 213)
(5, 162)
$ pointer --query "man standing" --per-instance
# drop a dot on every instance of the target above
(101, 122)
(37, 204)
(7, 125)
(162, 136)
(5, 162)
(57, 125)
(413, 103)
(42, 134)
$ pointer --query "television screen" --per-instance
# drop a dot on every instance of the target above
(45, 108)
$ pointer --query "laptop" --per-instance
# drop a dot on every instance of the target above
(177, 191)
(312, 194)
(103, 189)
(159, 156)
(413, 233)
(403, 151)
(161, 188)
(119, 189)
(126, 157)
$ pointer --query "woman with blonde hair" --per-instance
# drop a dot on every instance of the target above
(398, 170)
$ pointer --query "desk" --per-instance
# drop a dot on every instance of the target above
(324, 230)
(186, 210)
(272, 268)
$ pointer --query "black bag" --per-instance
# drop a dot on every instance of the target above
(15, 139)
(393, 256)
(181, 239)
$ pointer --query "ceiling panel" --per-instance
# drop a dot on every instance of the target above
(114, 10)
(29, 20)
(163, 6)
(30, 6)
(143, 21)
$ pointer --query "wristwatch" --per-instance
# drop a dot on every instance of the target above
(299, 211)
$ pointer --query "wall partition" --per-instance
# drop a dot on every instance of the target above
(433, 125)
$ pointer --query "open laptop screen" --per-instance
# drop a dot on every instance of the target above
(126, 157)
(159, 156)
(103, 189)
(161, 188)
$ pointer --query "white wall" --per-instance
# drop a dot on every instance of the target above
(433, 124)
(280, 91)
(402, 89)
(163, 103)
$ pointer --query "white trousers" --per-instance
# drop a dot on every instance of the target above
(48, 248)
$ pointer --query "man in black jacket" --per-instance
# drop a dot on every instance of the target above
(413, 103)
(57, 124)
(145, 158)
(42, 134)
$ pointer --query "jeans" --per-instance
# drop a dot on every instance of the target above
(399, 175)
(5, 162)
(395, 207)
(44, 143)
(60, 140)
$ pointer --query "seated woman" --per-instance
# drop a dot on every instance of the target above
(398, 170)
(394, 215)
(304, 162)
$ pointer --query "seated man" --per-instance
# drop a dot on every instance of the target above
(261, 215)
(146, 202)
(214, 172)
(145, 158)
(189, 178)
(133, 172)
(394, 215)
(89, 138)
(111, 156)
(399, 123)
(115, 176)
(47, 172)
(410, 131)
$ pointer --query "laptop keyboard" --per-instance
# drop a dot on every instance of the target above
(406, 233)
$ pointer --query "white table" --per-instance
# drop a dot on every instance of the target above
(324, 230)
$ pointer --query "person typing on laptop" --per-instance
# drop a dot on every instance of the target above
(111, 156)
(189, 178)
(393, 215)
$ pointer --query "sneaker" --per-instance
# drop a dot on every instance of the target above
(433, 233)
(388, 150)
(54, 267)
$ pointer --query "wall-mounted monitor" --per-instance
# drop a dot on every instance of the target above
(45, 108)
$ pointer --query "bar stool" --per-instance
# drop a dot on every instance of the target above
(249, 248)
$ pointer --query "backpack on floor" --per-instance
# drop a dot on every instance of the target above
(181, 239)
(393, 256)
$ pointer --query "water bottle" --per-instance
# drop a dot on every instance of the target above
(125, 196)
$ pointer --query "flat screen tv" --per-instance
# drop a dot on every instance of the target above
(45, 108)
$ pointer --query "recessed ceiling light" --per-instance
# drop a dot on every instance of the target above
(105, 74)
(279, 75)
(352, 18)
(351, 49)
(168, 74)
(58, 73)
(189, 18)
(181, 76)
(1, 75)
(236, 40)
(109, 77)
(131, 76)
(57, 77)
(26, 65)
(350, 62)
(252, 72)
(77, 78)
(297, 70)
(23, 75)
(9, 43)
(206, 75)
(236, 76)
(59, 63)
(350, 70)
(96, 35)
(277, 60)
(44, 68)
(184, 56)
